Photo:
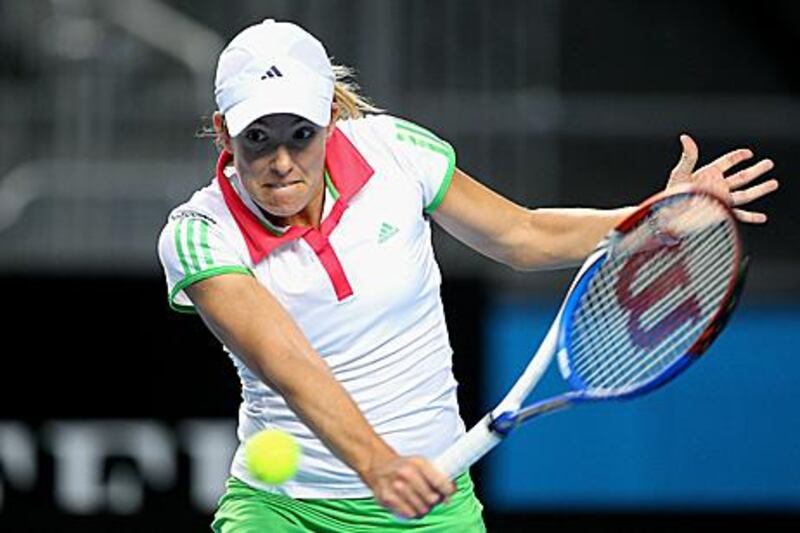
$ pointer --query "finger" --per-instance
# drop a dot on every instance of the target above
(429, 493)
(424, 488)
(406, 491)
(688, 158)
(747, 175)
(437, 480)
(750, 217)
(745, 196)
(423, 491)
(398, 507)
(731, 159)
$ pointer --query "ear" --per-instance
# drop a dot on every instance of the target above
(335, 112)
(221, 129)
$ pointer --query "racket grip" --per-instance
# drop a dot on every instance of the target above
(468, 449)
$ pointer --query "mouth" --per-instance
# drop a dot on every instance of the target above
(282, 185)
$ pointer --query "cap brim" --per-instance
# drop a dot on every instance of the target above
(315, 108)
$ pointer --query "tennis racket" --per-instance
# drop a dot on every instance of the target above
(649, 300)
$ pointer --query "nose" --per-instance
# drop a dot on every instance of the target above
(281, 163)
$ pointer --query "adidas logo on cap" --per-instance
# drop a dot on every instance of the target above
(272, 72)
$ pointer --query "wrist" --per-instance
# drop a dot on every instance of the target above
(372, 461)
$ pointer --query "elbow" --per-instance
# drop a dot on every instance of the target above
(516, 260)
(540, 252)
(529, 260)
(539, 244)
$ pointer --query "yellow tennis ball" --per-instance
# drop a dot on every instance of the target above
(272, 456)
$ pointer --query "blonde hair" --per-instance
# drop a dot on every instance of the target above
(346, 95)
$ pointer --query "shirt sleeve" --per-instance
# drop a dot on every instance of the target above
(192, 248)
(430, 159)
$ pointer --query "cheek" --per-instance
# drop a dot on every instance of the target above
(248, 172)
(244, 170)
(312, 159)
(248, 166)
(317, 155)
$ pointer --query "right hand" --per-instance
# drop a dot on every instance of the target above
(409, 486)
(735, 189)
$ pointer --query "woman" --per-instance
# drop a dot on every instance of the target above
(309, 256)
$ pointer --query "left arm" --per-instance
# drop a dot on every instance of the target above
(546, 238)
(524, 239)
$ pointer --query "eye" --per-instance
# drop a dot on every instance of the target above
(256, 135)
(304, 133)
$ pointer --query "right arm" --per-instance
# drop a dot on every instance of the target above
(255, 326)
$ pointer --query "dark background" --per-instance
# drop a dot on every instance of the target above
(550, 102)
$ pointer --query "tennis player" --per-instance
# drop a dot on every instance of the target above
(309, 256)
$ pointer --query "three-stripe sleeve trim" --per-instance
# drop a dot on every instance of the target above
(179, 246)
(192, 247)
(410, 133)
(187, 241)
(204, 244)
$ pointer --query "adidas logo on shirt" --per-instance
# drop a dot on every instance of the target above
(386, 232)
(272, 72)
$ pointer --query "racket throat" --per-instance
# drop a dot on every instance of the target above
(503, 423)
(548, 406)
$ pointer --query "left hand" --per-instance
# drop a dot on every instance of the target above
(733, 189)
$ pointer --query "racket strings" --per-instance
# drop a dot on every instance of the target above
(600, 306)
(598, 303)
(620, 373)
(626, 370)
(611, 338)
(604, 353)
(617, 371)
(682, 338)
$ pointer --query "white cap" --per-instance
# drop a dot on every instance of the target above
(273, 67)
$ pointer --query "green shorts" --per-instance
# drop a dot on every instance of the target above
(244, 509)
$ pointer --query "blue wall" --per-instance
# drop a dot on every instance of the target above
(725, 435)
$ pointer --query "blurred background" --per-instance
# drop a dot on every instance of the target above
(118, 414)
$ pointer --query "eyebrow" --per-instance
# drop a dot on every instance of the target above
(297, 120)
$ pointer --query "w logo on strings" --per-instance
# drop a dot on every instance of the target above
(272, 72)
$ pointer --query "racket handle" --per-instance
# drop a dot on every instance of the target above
(468, 449)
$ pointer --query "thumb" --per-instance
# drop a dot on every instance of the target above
(688, 160)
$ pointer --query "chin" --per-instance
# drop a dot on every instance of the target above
(283, 210)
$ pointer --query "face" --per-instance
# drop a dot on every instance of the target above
(281, 161)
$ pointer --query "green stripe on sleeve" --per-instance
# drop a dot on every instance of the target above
(204, 244)
(199, 276)
(192, 247)
(413, 134)
(179, 247)
(440, 147)
(445, 185)
(422, 132)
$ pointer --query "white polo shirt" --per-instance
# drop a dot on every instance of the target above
(363, 288)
